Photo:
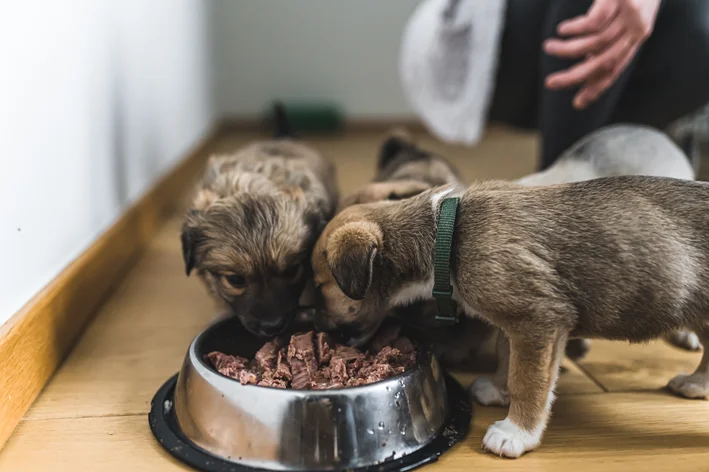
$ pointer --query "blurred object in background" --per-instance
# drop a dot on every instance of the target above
(305, 118)
(691, 133)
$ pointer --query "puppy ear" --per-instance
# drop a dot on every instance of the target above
(351, 254)
(398, 140)
(190, 239)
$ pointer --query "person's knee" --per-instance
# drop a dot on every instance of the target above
(698, 42)
(697, 27)
(688, 41)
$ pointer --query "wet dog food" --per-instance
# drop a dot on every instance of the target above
(312, 361)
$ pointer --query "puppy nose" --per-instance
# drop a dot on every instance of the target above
(273, 328)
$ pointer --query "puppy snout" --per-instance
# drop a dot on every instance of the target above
(274, 327)
(271, 320)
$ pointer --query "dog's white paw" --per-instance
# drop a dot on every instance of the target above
(487, 393)
(685, 339)
(506, 439)
(690, 386)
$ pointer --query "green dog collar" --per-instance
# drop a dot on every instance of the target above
(442, 290)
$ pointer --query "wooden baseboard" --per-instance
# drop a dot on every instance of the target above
(36, 339)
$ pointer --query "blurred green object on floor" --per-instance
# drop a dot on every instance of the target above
(307, 117)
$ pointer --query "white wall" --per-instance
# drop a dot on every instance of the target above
(346, 51)
(97, 99)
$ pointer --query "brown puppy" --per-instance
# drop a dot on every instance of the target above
(252, 225)
(623, 258)
(403, 170)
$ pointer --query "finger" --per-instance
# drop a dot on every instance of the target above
(599, 15)
(585, 45)
(594, 89)
(590, 93)
(594, 66)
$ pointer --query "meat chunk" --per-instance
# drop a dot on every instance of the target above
(282, 366)
(228, 365)
(338, 370)
(388, 355)
(348, 353)
(324, 351)
(246, 377)
(301, 356)
(275, 383)
(385, 337)
(266, 356)
(314, 361)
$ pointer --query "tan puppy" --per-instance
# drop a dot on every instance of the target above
(252, 225)
(403, 170)
(623, 258)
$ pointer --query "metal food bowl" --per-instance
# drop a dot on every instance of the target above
(214, 423)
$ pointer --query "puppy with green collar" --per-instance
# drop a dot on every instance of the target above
(404, 169)
(624, 258)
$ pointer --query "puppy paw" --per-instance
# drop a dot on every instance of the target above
(690, 386)
(684, 339)
(506, 439)
(487, 393)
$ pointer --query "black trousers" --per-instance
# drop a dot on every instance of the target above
(668, 79)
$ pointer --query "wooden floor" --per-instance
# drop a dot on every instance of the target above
(612, 413)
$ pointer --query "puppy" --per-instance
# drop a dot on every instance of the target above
(614, 151)
(624, 258)
(403, 170)
(252, 225)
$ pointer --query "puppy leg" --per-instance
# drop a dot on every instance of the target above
(534, 369)
(695, 385)
(493, 391)
(684, 339)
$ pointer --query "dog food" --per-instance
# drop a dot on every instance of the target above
(312, 361)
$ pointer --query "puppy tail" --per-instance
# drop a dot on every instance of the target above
(282, 127)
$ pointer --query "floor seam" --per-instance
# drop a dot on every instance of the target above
(591, 377)
(82, 417)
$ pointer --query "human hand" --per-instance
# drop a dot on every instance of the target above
(608, 36)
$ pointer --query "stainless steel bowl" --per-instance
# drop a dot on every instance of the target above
(269, 428)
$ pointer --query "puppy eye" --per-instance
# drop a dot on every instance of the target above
(293, 272)
(235, 280)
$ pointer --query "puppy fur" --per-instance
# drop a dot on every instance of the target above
(252, 225)
(403, 170)
(617, 150)
(624, 258)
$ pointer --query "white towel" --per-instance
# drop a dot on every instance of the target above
(448, 63)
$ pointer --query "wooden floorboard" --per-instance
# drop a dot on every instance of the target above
(608, 431)
(623, 367)
(93, 414)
